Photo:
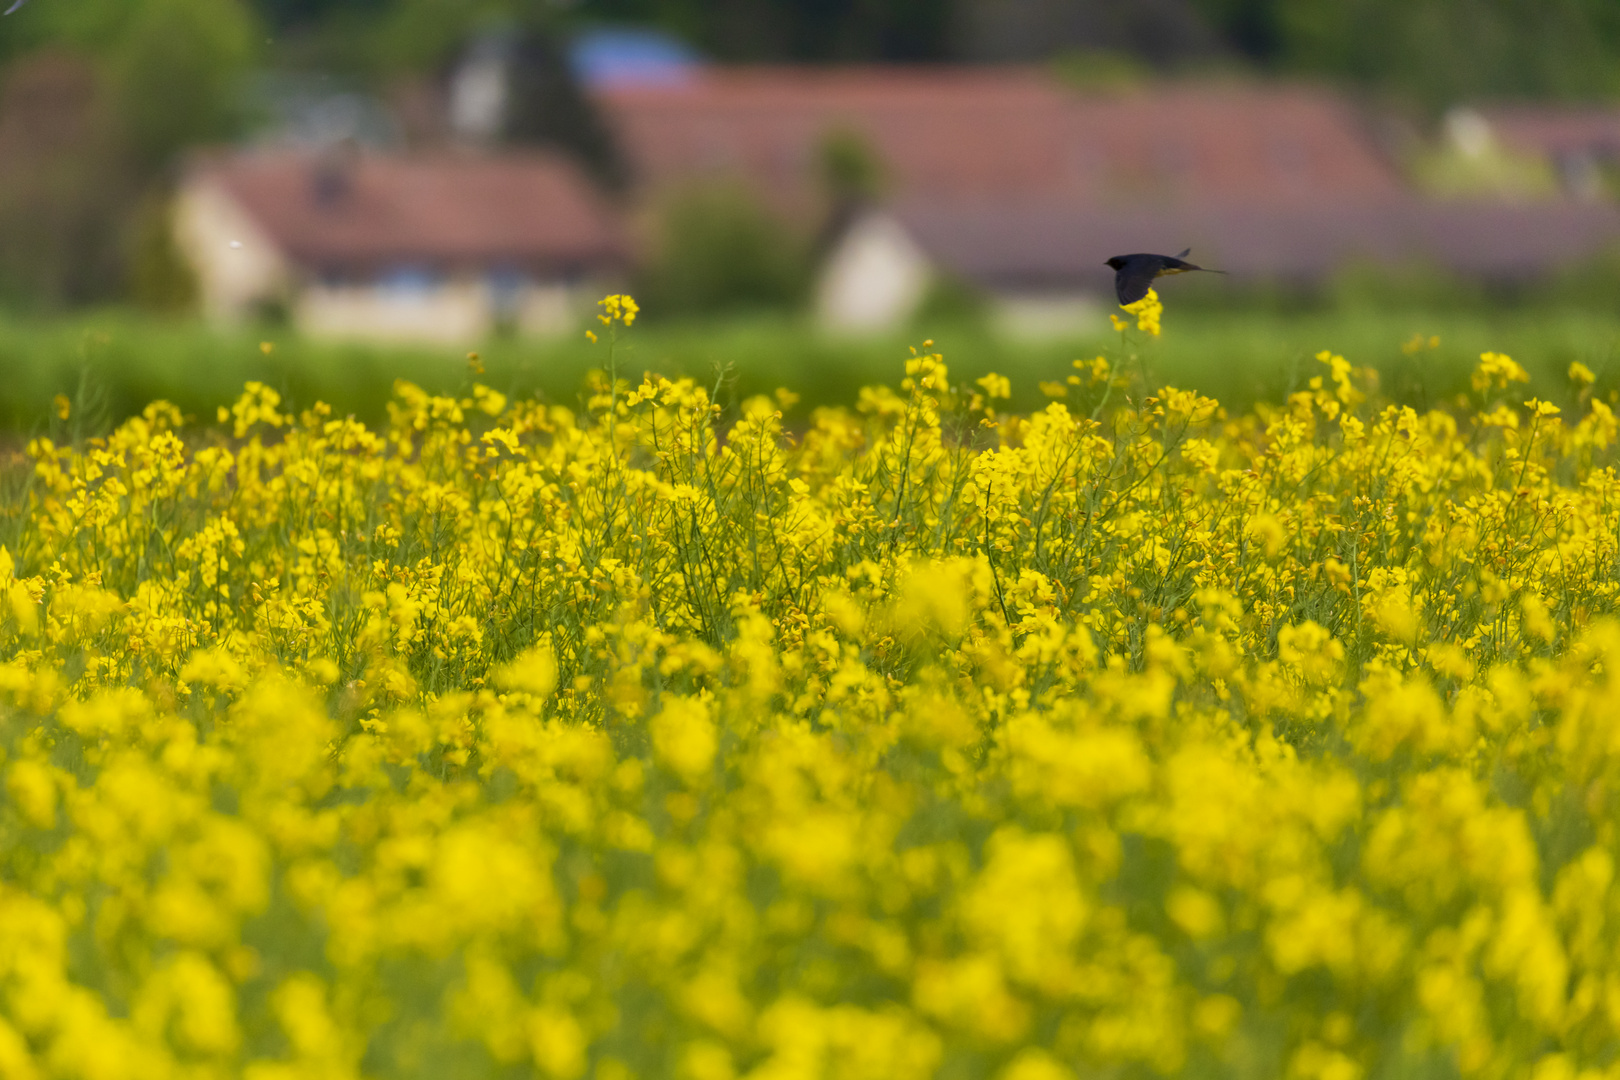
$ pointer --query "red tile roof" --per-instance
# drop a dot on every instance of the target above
(1554, 130)
(1182, 142)
(1012, 134)
(527, 210)
(1064, 246)
(948, 134)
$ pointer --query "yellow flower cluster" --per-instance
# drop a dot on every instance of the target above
(1148, 312)
(618, 309)
(656, 740)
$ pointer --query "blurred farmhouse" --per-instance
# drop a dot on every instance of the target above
(424, 246)
(1009, 181)
(1575, 149)
(1004, 182)
(1020, 186)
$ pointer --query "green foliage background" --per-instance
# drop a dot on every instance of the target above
(110, 364)
(1434, 51)
(75, 219)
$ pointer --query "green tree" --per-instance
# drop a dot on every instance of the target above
(720, 250)
(175, 74)
(1436, 52)
(416, 34)
(423, 35)
(839, 30)
(126, 87)
(851, 170)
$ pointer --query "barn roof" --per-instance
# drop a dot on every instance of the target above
(1557, 130)
(446, 210)
(1065, 244)
(1015, 134)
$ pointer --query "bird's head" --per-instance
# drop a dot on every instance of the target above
(1115, 263)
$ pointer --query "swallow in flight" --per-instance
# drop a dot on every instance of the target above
(1134, 274)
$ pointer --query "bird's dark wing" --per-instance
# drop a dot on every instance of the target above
(1133, 280)
(1184, 253)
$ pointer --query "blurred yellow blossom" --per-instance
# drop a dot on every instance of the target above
(653, 738)
(1497, 370)
(1148, 312)
(617, 308)
(1418, 343)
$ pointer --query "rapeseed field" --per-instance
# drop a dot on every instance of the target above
(1124, 739)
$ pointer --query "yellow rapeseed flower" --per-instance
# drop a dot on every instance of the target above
(652, 738)
(1148, 311)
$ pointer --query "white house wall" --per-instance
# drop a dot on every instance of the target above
(461, 311)
(549, 310)
(238, 267)
(874, 279)
(458, 312)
